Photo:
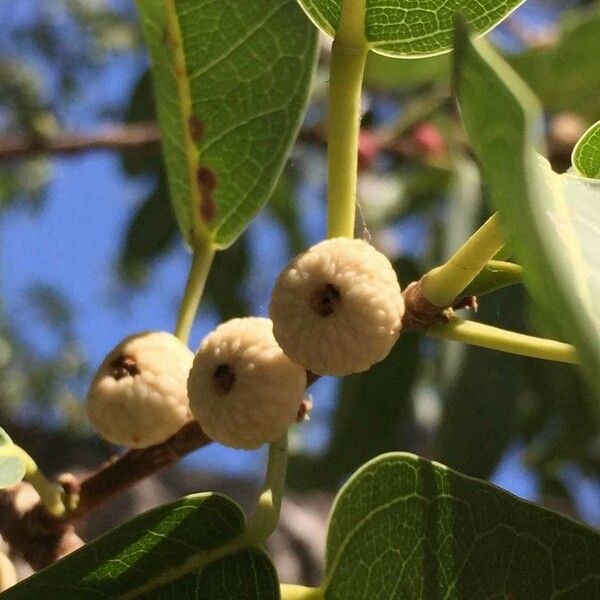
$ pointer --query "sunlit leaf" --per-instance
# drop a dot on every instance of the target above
(163, 553)
(231, 81)
(586, 154)
(404, 527)
(412, 28)
(552, 222)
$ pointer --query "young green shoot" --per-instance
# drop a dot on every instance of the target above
(442, 285)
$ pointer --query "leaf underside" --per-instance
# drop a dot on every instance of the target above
(404, 527)
(136, 558)
(551, 221)
(412, 28)
(231, 82)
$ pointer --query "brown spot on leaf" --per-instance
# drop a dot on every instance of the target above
(207, 183)
(196, 127)
(123, 366)
(223, 379)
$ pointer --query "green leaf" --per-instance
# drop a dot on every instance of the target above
(245, 575)
(551, 221)
(404, 527)
(586, 154)
(231, 82)
(162, 553)
(384, 72)
(412, 28)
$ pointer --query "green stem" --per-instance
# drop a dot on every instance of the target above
(51, 494)
(266, 515)
(442, 285)
(348, 57)
(486, 336)
(300, 592)
(496, 275)
(204, 253)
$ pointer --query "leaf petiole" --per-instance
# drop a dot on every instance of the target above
(203, 254)
(348, 57)
(442, 285)
(486, 336)
(51, 494)
(266, 515)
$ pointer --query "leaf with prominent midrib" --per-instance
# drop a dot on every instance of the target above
(551, 221)
(138, 559)
(586, 154)
(412, 28)
(231, 82)
(404, 528)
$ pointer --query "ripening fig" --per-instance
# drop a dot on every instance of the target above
(138, 396)
(243, 389)
(337, 308)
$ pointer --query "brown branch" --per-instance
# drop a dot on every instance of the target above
(116, 137)
(420, 314)
(41, 538)
(126, 470)
(29, 532)
(145, 135)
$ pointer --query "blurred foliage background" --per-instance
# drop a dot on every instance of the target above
(420, 197)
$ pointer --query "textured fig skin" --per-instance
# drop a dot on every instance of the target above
(138, 396)
(337, 308)
(243, 390)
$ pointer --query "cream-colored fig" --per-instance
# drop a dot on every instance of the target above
(138, 396)
(337, 308)
(243, 389)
